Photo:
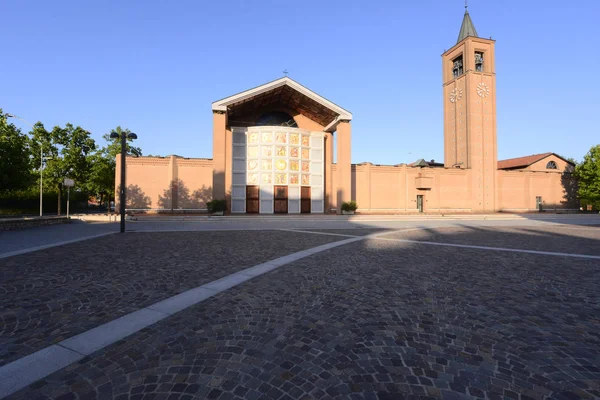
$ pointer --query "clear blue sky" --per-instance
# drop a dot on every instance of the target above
(155, 67)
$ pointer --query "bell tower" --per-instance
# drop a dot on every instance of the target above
(469, 86)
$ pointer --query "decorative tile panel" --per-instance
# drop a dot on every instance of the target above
(277, 156)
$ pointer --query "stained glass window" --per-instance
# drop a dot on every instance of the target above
(252, 151)
(293, 179)
(294, 139)
(280, 165)
(281, 138)
(280, 179)
(252, 165)
(294, 165)
(294, 152)
(267, 137)
(253, 138)
(281, 151)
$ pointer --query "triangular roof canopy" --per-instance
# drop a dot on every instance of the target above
(290, 93)
(467, 28)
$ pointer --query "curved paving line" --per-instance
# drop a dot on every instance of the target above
(29, 369)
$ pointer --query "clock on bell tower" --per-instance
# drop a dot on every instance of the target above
(469, 90)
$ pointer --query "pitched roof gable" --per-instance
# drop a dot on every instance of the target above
(523, 162)
(342, 114)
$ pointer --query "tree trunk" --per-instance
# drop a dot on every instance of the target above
(59, 199)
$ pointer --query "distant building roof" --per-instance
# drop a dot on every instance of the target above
(422, 163)
(524, 162)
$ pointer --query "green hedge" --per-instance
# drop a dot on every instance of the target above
(28, 202)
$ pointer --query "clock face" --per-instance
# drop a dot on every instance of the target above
(483, 90)
(455, 95)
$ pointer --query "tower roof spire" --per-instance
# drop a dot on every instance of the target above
(467, 28)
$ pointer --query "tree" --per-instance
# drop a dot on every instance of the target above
(15, 158)
(588, 175)
(67, 150)
(101, 181)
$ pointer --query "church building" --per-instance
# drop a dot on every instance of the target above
(273, 152)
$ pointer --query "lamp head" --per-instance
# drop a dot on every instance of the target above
(114, 135)
(131, 135)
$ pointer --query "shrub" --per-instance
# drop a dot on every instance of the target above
(349, 206)
(216, 205)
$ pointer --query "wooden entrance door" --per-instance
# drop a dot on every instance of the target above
(305, 199)
(281, 200)
(252, 200)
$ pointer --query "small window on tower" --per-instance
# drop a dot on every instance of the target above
(551, 165)
(457, 67)
(478, 61)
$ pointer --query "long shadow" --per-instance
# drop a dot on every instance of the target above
(179, 197)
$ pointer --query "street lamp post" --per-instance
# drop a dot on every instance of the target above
(41, 159)
(122, 189)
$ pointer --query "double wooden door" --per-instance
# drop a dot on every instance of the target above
(252, 200)
(305, 199)
(281, 200)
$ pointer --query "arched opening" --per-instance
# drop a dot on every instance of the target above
(551, 165)
(276, 118)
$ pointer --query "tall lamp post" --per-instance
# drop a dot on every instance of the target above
(42, 158)
(122, 189)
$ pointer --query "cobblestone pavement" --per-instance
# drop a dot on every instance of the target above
(50, 295)
(557, 238)
(374, 319)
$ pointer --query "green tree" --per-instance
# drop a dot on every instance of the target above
(67, 151)
(588, 176)
(101, 181)
(15, 158)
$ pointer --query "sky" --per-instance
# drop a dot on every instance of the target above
(155, 67)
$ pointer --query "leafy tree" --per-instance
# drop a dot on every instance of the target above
(101, 181)
(15, 158)
(114, 146)
(67, 150)
(588, 175)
